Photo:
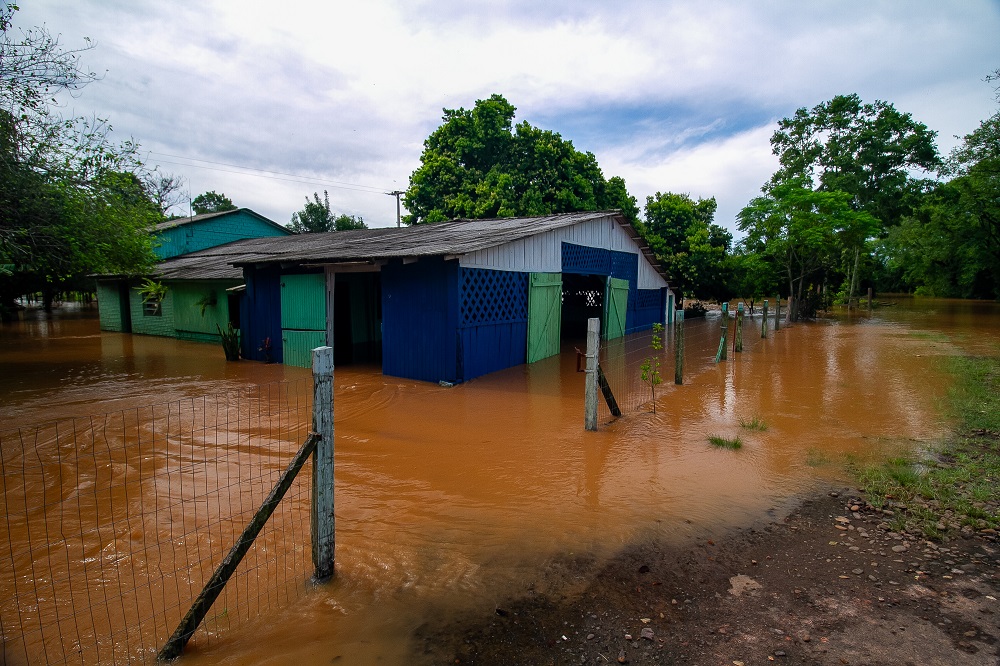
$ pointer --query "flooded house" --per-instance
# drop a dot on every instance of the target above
(448, 301)
(201, 292)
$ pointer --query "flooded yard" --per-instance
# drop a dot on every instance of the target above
(450, 500)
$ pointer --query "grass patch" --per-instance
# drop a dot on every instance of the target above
(756, 424)
(956, 487)
(815, 458)
(733, 443)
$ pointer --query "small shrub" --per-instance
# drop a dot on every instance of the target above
(732, 443)
(755, 424)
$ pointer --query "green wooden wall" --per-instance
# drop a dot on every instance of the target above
(193, 321)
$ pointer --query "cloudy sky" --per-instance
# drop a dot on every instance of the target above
(268, 102)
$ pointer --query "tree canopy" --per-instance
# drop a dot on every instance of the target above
(316, 216)
(211, 202)
(477, 164)
(691, 247)
(72, 203)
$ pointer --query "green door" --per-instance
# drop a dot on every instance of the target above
(303, 317)
(544, 315)
(615, 308)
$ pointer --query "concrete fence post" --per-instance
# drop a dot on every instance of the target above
(590, 398)
(763, 321)
(322, 520)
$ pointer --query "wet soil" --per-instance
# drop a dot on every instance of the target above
(829, 583)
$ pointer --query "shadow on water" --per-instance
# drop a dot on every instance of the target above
(453, 499)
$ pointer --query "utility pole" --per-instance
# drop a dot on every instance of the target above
(397, 194)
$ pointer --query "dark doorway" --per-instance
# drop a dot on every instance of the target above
(583, 298)
(125, 308)
(357, 318)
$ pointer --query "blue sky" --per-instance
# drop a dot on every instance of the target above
(269, 102)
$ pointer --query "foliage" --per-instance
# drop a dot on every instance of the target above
(230, 341)
(950, 244)
(691, 248)
(866, 150)
(846, 177)
(956, 488)
(152, 291)
(732, 443)
(72, 203)
(478, 165)
(211, 202)
(754, 424)
(801, 230)
(651, 364)
(316, 216)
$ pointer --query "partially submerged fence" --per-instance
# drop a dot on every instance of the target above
(115, 523)
(619, 385)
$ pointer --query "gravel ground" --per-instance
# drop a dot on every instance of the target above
(830, 583)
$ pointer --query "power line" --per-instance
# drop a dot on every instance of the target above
(271, 175)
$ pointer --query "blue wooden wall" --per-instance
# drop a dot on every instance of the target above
(420, 320)
(583, 260)
(260, 314)
(203, 234)
(493, 321)
(649, 309)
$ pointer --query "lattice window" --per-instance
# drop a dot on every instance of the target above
(583, 298)
(491, 297)
(648, 298)
(625, 265)
(585, 260)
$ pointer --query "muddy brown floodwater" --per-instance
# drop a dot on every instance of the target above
(451, 500)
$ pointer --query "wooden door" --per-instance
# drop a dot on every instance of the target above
(544, 315)
(615, 308)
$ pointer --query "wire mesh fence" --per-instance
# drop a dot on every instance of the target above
(115, 522)
(621, 359)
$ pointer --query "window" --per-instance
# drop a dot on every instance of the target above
(152, 308)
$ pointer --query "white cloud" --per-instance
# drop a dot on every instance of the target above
(347, 91)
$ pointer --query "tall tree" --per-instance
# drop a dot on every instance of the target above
(211, 202)
(477, 164)
(950, 245)
(72, 202)
(868, 150)
(316, 216)
(688, 244)
(801, 230)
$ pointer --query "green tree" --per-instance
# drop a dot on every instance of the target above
(868, 150)
(688, 244)
(477, 164)
(211, 202)
(801, 231)
(72, 203)
(950, 245)
(866, 155)
(316, 216)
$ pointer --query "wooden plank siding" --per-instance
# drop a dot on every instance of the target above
(260, 318)
(542, 253)
(419, 320)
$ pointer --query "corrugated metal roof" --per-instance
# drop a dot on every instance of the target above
(184, 221)
(454, 237)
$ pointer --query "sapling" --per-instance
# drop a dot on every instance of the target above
(651, 364)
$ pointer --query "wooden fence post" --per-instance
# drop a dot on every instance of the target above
(763, 322)
(869, 298)
(777, 313)
(679, 347)
(738, 339)
(322, 522)
(590, 394)
(723, 353)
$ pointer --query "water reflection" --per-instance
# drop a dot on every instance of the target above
(450, 499)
